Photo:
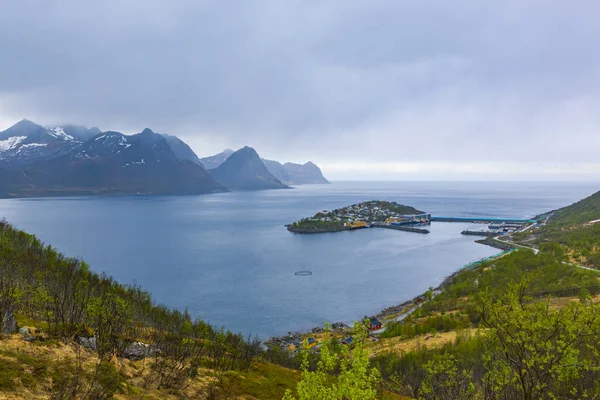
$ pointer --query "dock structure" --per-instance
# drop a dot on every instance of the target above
(483, 220)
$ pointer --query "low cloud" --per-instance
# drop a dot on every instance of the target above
(344, 83)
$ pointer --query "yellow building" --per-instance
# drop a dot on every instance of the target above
(356, 224)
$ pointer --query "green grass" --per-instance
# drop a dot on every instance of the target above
(267, 381)
(27, 370)
(583, 211)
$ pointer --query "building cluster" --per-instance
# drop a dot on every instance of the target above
(364, 214)
(311, 343)
(505, 227)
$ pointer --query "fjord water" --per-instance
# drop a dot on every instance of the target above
(229, 260)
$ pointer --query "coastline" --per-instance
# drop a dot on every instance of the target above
(399, 311)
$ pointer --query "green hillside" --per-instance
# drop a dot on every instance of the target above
(583, 211)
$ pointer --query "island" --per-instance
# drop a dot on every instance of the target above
(369, 214)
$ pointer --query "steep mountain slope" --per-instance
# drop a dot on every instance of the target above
(213, 162)
(181, 149)
(277, 170)
(113, 163)
(304, 173)
(244, 170)
(27, 143)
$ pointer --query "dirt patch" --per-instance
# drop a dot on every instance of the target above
(423, 341)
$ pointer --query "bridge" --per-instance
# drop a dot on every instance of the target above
(484, 220)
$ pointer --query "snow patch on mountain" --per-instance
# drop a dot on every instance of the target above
(32, 145)
(11, 143)
(59, 132)
(134, 162)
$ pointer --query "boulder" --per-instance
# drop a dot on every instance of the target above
(9, 324)
(89, 343)
(138, 351)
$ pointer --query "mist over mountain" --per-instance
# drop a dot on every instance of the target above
(215, 161)
(27, 142)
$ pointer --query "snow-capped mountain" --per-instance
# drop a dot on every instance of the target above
(113, 163)
(26, 142)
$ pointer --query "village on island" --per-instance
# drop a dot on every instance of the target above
(369, 214)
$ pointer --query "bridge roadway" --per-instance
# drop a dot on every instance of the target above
(482, 219)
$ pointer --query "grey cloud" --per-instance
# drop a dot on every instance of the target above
(333, 81)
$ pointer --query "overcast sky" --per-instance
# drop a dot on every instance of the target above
(366, 89)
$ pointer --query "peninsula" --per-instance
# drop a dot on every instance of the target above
(374, 213)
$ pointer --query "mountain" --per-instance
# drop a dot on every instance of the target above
(113, 163)
(244, 170)
(81, 133)
(277, 170)
(213, 162)
(27, 143)
(296, 174)
(288, 173)
(304, 173)
(181, 149)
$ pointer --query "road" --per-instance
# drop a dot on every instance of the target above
(497, 238)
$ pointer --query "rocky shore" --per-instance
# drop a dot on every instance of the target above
(297, 229)
(495, 244)
(385, 314)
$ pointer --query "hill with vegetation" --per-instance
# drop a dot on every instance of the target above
(584, 211)
(69, 333)
(575, 229)
(337, 220)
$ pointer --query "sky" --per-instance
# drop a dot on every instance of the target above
(388, 89)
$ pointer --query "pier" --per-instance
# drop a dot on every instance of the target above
(480, 233)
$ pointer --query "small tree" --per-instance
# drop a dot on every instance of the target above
(355, 379)
(533, 351)
(444, 381)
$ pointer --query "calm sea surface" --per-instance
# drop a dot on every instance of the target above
(229, 259)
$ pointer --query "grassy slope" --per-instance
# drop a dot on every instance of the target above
(581, 212)
(570, 226)
(30, 370)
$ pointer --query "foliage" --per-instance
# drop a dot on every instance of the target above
(524, 350)
(583, 211)
(438, 323)
(345, 375)
(38, 283)
(444, 380)
(543, 273)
